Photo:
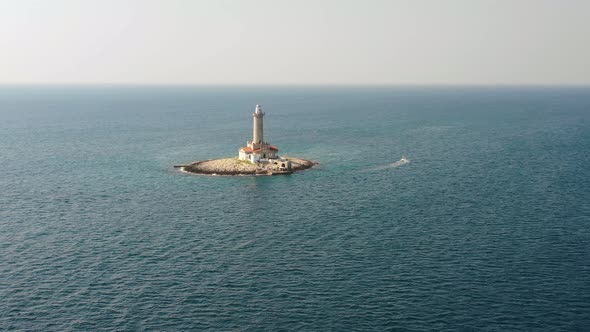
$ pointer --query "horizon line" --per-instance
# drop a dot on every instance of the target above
(246, 85)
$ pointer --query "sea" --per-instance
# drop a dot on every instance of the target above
(485, 227)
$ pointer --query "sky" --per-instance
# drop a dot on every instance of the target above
(266, 42)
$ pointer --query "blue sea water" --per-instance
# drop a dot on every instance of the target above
(487, 228)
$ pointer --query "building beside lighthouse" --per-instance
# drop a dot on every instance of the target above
(257, 149)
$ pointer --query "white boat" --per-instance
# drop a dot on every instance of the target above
(403, 160)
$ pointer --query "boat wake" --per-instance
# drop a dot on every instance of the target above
(399, 163)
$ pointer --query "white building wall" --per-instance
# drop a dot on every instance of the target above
(254, 158)
(243, 155)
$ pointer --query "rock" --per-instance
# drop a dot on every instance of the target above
(234, 166)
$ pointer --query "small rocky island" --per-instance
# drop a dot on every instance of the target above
(256, 158)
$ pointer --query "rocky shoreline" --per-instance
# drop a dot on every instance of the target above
(234, 166)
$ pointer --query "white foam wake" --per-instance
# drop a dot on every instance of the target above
(399, 163)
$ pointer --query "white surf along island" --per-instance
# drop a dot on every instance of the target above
(258, 157)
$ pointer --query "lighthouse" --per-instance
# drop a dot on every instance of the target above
(257, 150)
(258, 116)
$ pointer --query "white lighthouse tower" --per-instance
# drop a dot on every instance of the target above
(257, 149)
(258, 116)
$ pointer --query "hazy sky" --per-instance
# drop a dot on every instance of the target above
(295, 41)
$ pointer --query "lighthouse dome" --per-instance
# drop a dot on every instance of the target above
(258, 109)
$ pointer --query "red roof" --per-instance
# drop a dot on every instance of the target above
(247, 149)
(274, 148)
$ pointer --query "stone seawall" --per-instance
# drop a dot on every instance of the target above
(234, 166)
